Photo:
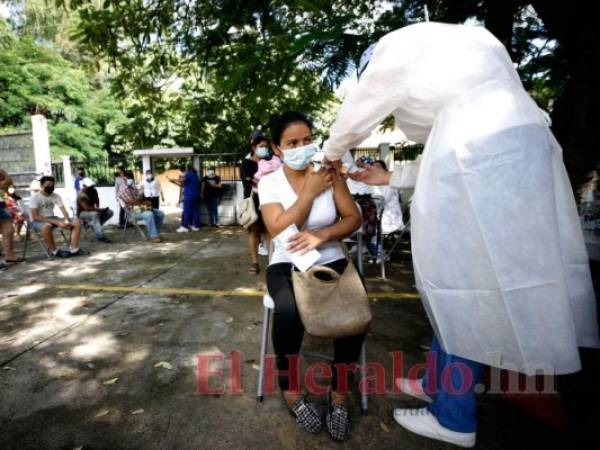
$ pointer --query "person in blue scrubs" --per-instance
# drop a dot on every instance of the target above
(191, 201)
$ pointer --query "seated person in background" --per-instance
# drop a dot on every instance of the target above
(391, 219)
(6, 228)
(150, 188)
(42, 206)
(13, 205)
(363, 195)
(88, 208)
(141, 209)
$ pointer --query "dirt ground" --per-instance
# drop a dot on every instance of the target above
(83, 366)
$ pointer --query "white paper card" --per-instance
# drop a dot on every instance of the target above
(301, 261)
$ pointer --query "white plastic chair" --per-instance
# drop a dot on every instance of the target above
(130, 218)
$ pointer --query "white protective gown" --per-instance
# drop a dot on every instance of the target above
(498, 252)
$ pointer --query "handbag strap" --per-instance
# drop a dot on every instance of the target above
(345, 250)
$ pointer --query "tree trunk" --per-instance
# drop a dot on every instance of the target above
(576, 113)
(499, 18)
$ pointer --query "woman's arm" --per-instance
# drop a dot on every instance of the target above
(348, 223)
(277, 219)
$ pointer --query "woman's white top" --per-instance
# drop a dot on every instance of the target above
(391, 219)
(275, 188)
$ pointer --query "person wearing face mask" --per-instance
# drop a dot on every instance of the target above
(319, 204)
(13, 205)
(248, 170)
(6, 227)
(44, 220)
(210, 191)
(88, 209)
(268, 162)
(151, 190)
(141, 209)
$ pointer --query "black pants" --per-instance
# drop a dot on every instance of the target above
(121, 216)
(288, 330)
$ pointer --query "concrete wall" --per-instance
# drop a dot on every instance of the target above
(17, 157)
(107, 198)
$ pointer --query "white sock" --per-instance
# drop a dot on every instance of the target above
(74, 250)
(54, 252)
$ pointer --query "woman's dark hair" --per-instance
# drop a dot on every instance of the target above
(258, 139)
(46, 178)
(129, 175)
(381, 163)
(278, 124)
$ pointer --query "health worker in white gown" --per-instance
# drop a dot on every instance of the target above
(499, 258)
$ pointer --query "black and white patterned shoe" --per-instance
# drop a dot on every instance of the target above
(337, 422)
(307, 416)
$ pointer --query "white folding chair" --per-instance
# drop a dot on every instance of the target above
(396, 236)
(130, 218)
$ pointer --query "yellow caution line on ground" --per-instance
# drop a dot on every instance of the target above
(210, 292)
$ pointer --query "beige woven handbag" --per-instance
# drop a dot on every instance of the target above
(246, 212)
(332, 305)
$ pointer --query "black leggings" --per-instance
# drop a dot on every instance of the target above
(288, 330)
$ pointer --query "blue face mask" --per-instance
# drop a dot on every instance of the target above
(299, 158)
(262, 152)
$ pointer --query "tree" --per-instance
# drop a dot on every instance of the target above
(202, 74)
(249, 53)
(34, 79)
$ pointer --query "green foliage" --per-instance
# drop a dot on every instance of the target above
(205, 73)
(84, 120)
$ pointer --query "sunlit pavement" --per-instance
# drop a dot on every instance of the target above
(102, 352)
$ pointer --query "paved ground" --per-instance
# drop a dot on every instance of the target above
(79, 363)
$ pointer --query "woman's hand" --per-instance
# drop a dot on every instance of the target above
(306, 241)
(373, 175)
(317, 182)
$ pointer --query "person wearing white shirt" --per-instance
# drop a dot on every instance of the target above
(151, 190)
(43, 219)
(318, 203)
(391, 219)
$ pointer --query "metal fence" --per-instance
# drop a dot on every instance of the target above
(226, 165)
(407, 152)
(102, 171)
(359, 152)
(58, 174)
(400, 152)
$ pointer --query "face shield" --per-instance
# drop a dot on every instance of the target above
(365, 58)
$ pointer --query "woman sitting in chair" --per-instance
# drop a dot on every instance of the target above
(319, 204)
